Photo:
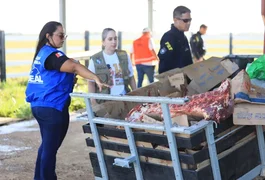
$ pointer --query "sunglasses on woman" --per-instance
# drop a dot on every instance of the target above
(61, 36)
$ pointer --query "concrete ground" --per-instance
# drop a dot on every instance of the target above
(18, 150)
(19, 143)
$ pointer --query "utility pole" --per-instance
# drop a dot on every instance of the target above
(263, 18)
(2, 57)
(150, 14)
(62, 16)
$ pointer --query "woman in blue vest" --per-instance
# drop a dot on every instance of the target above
(51, 79)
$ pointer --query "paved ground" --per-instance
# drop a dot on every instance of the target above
(18, 153)
(4, 121)
(18, 149)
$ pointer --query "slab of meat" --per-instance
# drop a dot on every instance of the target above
(213, 105)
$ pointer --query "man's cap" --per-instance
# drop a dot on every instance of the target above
(146, 30)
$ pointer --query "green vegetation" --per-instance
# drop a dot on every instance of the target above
(12, 98)
(79, 103)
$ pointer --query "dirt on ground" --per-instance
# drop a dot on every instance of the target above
(18, 151)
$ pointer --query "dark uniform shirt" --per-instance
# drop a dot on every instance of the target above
(197, 46)
(174, 50)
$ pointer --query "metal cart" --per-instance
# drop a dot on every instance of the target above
(169, 130)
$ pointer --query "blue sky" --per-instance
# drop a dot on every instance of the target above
(221, 16)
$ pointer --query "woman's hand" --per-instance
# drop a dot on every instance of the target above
(100, 84)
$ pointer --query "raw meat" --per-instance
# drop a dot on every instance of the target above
(213, 105)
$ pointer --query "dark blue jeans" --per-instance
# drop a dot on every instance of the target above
(53, 128)
(142, 70)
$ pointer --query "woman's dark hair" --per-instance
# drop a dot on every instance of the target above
(50, 28)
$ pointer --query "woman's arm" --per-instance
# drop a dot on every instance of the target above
(71, 66)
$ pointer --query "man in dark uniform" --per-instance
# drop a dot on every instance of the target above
(174, 47)
(197, 45)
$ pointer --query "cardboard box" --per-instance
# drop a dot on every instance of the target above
(245, 92)
(179, 81)
(204, 75)
(119, 109)
(240, 84)
(207, 74)
(111, 109)
(181, 120)
(249, 114)
(159, 88)
(166, 74)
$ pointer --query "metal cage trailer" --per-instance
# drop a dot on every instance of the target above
(145, 151)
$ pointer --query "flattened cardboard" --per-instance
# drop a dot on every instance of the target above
(159, 88)
(165, 88)
(111, 109)
(207, 74)
(175, 94)
(177, 80)
(241, 83)
(193, 88)
(150, 90)
(165, 75)
(204, 75)
(230, 66)
(249, 114)
(152, 119)
(181, 120)
(243, 91)
(119, 109)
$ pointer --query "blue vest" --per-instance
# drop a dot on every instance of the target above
(48, 88)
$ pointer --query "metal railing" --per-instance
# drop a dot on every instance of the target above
(170, 130)
(167, 127)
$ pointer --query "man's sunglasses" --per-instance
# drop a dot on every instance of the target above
(185, 20)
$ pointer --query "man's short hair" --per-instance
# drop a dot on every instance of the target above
(178, 11)
(203, 26)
